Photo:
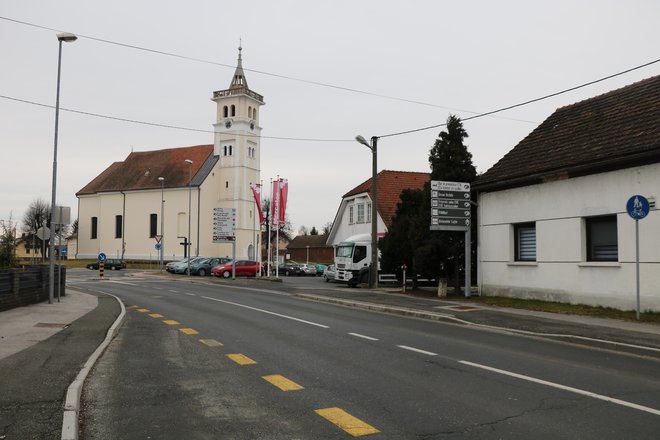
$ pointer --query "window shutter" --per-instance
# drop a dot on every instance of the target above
(527, 243)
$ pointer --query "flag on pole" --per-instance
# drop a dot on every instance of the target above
(256, 192)
(274, 202)
(284, 192)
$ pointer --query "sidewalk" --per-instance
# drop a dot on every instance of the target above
(42, 349)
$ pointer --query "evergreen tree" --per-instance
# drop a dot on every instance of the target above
(409, 239)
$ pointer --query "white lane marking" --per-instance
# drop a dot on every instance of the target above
(268, 312)
(417, 350)
(357, 335)
(275, 292)
(126, 283)
(173, 291)
(565, 388)
(189, 294)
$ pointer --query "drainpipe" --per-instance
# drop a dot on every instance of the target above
(123, 226)
(199, 189)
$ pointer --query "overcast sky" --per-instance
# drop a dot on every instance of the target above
(452, 57)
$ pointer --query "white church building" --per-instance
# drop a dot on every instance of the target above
(119, 211)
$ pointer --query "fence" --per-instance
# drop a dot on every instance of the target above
(21, 287)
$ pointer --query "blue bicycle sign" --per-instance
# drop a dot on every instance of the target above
(638, 207)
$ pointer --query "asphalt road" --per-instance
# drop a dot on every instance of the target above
(208, 374)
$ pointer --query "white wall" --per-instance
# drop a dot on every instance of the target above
(561, 271)
(344, 228)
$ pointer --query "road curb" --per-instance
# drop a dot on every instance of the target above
(621, 347)
(72, 400)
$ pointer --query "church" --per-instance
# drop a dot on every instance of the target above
(165, 200)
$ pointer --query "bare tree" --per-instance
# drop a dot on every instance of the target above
(7, 243)
(37, 216)
(325, 230)
(302, 230)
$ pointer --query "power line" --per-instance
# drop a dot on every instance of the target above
(260, 72)
(174, 127)
(527, 102)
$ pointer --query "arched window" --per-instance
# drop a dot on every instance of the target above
(249, 112)
(230, 150)
(226, 183)
(233, 110)
(225, 151)
(225, 111)
(254, 114)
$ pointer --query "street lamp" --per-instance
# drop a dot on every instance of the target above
(307, 254)
(162, 220)
(63, 37)
(189, 162)
(373, 269)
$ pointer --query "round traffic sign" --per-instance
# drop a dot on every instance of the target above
(637, 207)
(102, 257)
(157, 246)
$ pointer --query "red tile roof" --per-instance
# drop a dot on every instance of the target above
(390, 185)
(615, 130)
(141, 170)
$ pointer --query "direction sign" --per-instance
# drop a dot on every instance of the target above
(450, 206)
(102, 257)
(224, 225)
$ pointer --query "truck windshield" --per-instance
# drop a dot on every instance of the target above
(345, 250)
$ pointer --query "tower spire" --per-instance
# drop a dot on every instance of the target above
(239, 76)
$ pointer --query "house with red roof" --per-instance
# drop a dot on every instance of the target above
(553, 219)
(171, 198)
(354, 214)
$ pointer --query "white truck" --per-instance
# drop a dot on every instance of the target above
(353, 258)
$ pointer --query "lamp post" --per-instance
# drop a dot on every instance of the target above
(162, 220)
(307, 254)
(189, 162)
(373, 269)
(67, 38)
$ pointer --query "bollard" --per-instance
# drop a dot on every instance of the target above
(101, 269)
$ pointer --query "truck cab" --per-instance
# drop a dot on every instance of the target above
(352, 255)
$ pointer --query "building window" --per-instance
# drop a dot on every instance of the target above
(602, 242)
(153, 225)
(224, 153)
(225, 111)
(230, 150)
(226, 183)
(254, 113)
(118, 226)
(525, 236)
(369, 212)
(250, 112)
(233, 110)
(350, 215)
(95, 226)
(360, 213)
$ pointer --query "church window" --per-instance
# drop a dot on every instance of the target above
(230, 150)
(226, 183)
(118, 226)
(233, 110)
(95, 225)
(249, 112)
(225, 151)
(254, 113)
(225, 111)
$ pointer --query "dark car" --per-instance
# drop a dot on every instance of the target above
(203, 267)
(290, 269)
(110, 264)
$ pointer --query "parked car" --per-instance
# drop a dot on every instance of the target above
(308, 269)
(170, 266)
(110, 264)
(244, 268)
(203, 267)
(182, 267)
(290, 269)
(329, 273)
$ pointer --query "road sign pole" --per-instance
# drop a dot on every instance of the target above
(468, 262)
(637, 262)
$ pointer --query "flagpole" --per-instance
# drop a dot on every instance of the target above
(254, 233)
(277, 230)
(270, 220)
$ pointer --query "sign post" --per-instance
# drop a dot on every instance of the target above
(451, 210)
(102, 259)
(638, 208)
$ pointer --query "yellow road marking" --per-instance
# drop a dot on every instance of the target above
(347, 422)
(143, 310)
(211, 342)
(241, 359)
(156, 315)
(188, 331)
(171, 322)
(282, 382)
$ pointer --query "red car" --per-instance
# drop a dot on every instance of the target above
(244, 268)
